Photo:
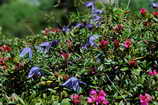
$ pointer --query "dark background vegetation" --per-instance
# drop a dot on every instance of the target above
(29, 17)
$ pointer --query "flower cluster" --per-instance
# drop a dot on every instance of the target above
(145, 99)
(75, 98)
(97, 97)
(153, 73)
(5, 48)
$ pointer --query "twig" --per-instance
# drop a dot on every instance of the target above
(116, 88)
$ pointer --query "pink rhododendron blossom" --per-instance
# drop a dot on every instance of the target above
(93, 92)
(145, 99)
(97, 97)
(5, 48)
(143, 11)
(102, 93)
(155, 13)
(65, 55)
(103, 43)
(128, 43)
(116, 43)
(132, 62)
(153, 73)
(118, 28)
(75, 98)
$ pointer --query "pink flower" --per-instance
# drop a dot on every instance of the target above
(155, 13)
(105, 102)
(91, 99)
(143, 11)
(145, 99)
(103, 43)
(118, 28)
(128, 43)
(65, 55)
(102, 93)
(5, 48)
(97, 97)
(75, 98)
(93, 92)
(152, 73)
(132, 63)
(116, 43)
(47, 31)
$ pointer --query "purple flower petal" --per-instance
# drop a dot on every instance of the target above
(66, 29)
(34, 72)
(89, 26)
(79, 25)
(45, 46)
(96, 18)
(96, 11)
(89, 4)
(26, 51)
(91, 40)
(154, 5)
(54, 42)
(73, 83)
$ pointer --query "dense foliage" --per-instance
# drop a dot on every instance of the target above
(106, 56)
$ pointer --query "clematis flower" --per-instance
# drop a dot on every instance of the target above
(91, 40)
(89, 26)
(26, 51)
(128, 43)
(153, 73)
(154, 5)
(65, 29)
(79, 25)
(73, 83)
(89, 4)
(145, 99)
(96, 18)
(96, 11)
(75, 98)
(143, 11)
(34, 72)
(103, 43)
(45, 46)
(5, 48)
(116, 43)
(155, 13)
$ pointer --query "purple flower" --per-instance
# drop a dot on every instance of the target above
(34, 72)
(79, 25)
(96, 18)
(91, 40)
(89, 4)
(73, 83)
(154, 5)
(26, 51)
(89, 26)
(65, 29)
(96, 11)
(45, 46)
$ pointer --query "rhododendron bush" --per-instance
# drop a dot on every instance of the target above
(107, 56)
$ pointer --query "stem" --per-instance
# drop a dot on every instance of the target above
(116, 88)
(129, 1)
